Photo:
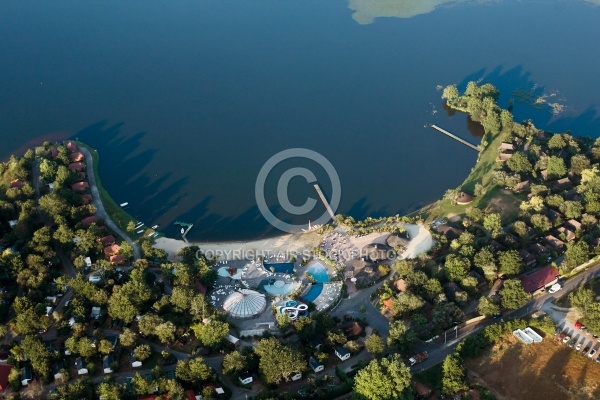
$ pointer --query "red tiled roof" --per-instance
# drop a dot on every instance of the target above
(538, 279)
(76, 156)
(53, 152)
(77, 166)
(110, 239)
(118, 259)
(71, 146)
(112, 249)
(89, 220)
(82, 175)
(4, 372)
(86, 198)
(80, 186)
(388, 303)
(17, 183)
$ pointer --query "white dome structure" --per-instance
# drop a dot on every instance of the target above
(245, 303)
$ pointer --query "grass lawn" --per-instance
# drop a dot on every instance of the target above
(495, 199)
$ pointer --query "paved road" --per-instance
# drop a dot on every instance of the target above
(100, 211)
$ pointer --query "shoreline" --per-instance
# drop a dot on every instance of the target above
(288, 244)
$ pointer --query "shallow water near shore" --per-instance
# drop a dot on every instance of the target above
(186, 101)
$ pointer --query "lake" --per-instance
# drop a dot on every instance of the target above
(186, 101)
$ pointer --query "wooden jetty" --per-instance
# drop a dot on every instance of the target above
(445, 132)
(325, 202)
(184, 225)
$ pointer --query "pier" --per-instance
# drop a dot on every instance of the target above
(445, 132)
(184, 225)
(325, 202)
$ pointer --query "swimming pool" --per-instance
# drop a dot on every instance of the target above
(280, 268)
(313, 293)
(319, 272)
(279, 288)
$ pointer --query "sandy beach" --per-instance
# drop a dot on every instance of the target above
(297, 243)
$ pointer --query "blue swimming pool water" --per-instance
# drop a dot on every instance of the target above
(313, 293)
(319, 272)
(280, 268)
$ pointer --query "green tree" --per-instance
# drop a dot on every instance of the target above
(165, 332)
(374, 344)
(194, 370)
(519, 163)
(212, 333)
(453, 373)
(487, 307)
(556, 167)
(109, 391)
(493, 224)
(388, 378)
(510, 262)
(450, 93)
(278, 362)
(181, 298)
(128, 338)
(406, 302)
(541, 222)
(512, 294)
(432, 288)
(571, 209)
(148, 323)
(579, 162)
(485, 260)
(456, 267)
(557, 142)
(39, 355)
(142, 352)
(401, 338)
(234, 363)
(577, 253)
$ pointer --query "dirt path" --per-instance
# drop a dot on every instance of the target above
(100, 211)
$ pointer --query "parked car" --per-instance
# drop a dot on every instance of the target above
(566, 339)
(562, 336)
(587, 348)
(578, 347)
(572, 342)
(555, 288)
(592, 353)
(579, 325)
(598, 359)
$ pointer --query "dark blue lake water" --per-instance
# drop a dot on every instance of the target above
(185, 101)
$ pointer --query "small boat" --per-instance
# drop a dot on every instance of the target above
(124, 204)
(140, 231)
(150, 234)
(155, 226)
(139, 225)
(155, 235)
(182, 231)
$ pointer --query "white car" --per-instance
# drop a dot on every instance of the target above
(592, 353)
(95, 278)
(555, 288)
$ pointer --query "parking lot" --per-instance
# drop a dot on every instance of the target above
(579, 338)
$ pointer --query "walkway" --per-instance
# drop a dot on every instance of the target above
(100, 211)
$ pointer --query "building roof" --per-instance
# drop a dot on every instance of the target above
(352, 329)
(342, 351)
(420, 389)
(526, 256)
(107, 240)
(80, 363)
(537, 248)
(553, 215)
(112, 249)
(497, 246)
(4, 372)
(117, 259)
(569, 234)
(17, 183)
(389, 303)
(506, 147)
(564, 183)
(76, 156)
(537, 279)
(71, 146)
(522, 186)
(107, 360)
(464, 198)
(245, 303)
(400, 285)
(544, 174)
(313, 362)
(89, 220)
(397, 241)
(80, 186)
(86, 198)
(574, 224)
(449, 231)
(77, 166)
(554, 242)
(504, 157)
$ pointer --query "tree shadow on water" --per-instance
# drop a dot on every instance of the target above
(518, 88)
